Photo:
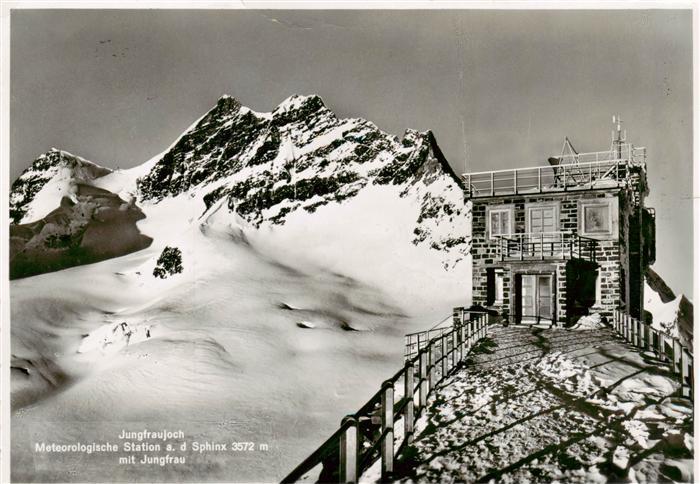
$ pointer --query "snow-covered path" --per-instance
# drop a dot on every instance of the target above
(542, 405)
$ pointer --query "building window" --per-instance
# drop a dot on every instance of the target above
(542, 217)
(500, 222)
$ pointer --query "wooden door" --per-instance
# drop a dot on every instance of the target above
(528, 305)
(544, 297)
(536, 300)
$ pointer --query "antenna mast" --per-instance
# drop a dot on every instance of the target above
(619, 137)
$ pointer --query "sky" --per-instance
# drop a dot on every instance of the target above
(499, 89)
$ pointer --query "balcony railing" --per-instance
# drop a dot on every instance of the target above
(546, 246)
(584, 171)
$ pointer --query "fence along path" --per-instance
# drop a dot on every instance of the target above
(666, 348)
(384, 425)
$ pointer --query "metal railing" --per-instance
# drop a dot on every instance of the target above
(666, 348)
(419, 340)
(602, 169)
(372, 432)
(546, 246)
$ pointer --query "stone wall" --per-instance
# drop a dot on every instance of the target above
(609, 255)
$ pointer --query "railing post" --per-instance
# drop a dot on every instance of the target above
(515, 181)
(691, 383)
(349, 451)
(623, 325)
(455, 348)
(661, 345)
(675, 356)
(642, 330)
(650, 339)
(493, 190)
(571, 248)
(542, 245)
(423, 388)
(522, 239)
(539, 179)
(431, 365)
(683, 371)
(408, 390)
(387, 429)
(445, 368)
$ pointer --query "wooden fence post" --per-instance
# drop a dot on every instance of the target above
(423, 389)
(650, 339)
(349, 451)
(408, 390)
(387, 429)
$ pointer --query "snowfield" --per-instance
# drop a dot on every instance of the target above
(552, 405)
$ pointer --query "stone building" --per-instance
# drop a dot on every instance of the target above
(554, 242)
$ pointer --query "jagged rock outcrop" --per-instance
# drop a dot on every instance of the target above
(670, 313)
(91, 225)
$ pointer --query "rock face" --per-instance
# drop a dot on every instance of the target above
(90, 226)
(669, 313)
(262, 166)
(300, 156)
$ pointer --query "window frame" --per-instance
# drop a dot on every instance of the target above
(510, 210)
(552, 204)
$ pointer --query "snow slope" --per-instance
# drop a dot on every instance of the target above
(310, 245)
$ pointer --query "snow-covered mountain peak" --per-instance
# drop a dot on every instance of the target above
(268, 168)
(50, 177)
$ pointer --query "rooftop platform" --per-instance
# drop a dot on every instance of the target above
(580, 171)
